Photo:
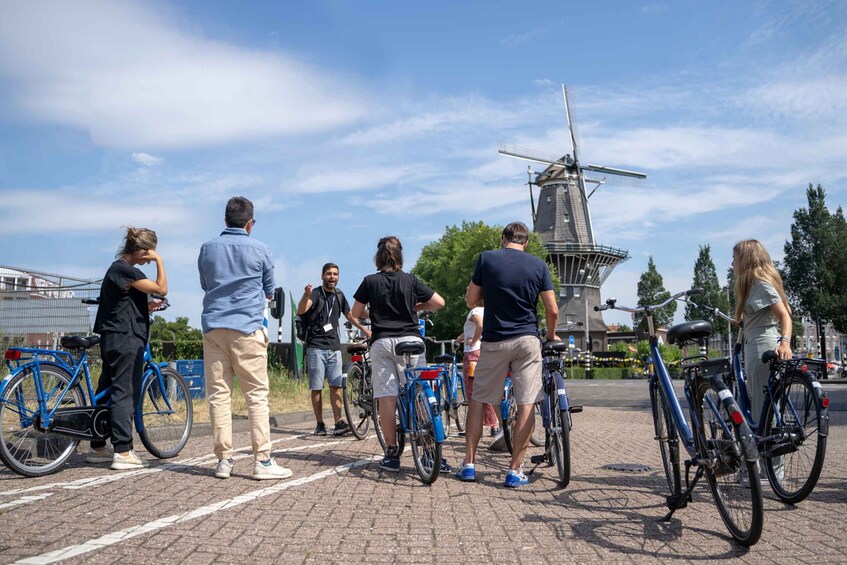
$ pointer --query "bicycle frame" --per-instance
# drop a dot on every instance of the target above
(406, 403)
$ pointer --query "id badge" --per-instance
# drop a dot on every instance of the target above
(327, 327)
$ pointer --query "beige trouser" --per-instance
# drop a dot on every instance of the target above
(226, 352)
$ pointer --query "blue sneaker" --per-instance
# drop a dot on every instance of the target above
(445, 466)
(467, 474)
(391, 461)
(514, 479)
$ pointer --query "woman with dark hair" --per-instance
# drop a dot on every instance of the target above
(123, 322)
(393, 298)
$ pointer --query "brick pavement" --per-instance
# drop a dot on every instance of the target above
(362, 514)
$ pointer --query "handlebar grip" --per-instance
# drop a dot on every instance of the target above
(694, 292)
(90, 301)
(601, 307)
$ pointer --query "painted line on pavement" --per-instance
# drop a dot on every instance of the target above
(119, 536)
(25, 500)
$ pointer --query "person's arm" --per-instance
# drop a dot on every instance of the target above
(305, 301)
(146, 285)
(476, 319)
(355, 321)
(200, 270)
(783, 348)
(358, 310)
(473, 295)
(551, 310)
(433, 304)
(268, 276)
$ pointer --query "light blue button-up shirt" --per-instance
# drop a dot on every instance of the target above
(237, 274)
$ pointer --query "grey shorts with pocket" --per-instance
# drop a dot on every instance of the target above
(520, 354)
(388, 369)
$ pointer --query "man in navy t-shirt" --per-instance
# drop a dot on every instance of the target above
(511, 281)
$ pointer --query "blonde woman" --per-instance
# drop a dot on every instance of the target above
(760, 302)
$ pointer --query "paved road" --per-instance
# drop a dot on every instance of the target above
(340, 507)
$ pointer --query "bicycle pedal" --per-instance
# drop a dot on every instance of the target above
(536, 459)
(575, 409)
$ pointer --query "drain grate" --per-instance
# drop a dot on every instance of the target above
(627, 467)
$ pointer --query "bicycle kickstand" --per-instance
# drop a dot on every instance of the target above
(536, 460)
(676, 501)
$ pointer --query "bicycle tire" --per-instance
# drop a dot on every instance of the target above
(537, 436)
(461, 404)
(508, 424)
(720, 446)
(167, 414)
(444, 403)
(377, 425)
(24, 449)
(353, 393)
(560, 445)
(667, 436)
(426, 449)
(788, 471)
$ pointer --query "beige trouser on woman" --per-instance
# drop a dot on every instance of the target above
(226, 352)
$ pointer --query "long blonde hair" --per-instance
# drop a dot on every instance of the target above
(752, 262)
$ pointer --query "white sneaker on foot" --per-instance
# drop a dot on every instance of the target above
(130, 461)
(270, 470)
(103, 454)
(224, 468)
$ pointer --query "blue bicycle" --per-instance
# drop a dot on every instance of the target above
(417, 414)
(450, 391)
(509, 415)
(48, 405)
(719, 441)
(793, 426)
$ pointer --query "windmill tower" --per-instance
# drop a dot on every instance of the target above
(563, 220)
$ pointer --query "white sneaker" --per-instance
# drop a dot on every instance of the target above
(270, 470)
(130, 461)
(224, 468)
(103, 454)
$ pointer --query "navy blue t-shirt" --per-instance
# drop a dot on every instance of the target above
(511, 282)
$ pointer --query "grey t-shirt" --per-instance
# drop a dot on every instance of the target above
(758, 317)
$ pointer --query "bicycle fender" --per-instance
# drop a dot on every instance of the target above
(438, 425)
(561, 392)
(18, 370)
(748, 439)
(504, 404)
(6, 380)
(823, 430)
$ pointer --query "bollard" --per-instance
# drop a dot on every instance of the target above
(588, 365)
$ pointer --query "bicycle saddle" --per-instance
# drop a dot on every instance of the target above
(79, 341)
(554, 347)
(410, 347)
(689, 331)
(443, 358)
(357, 348)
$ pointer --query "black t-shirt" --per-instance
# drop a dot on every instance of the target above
(391, 299)
(511, 282)
(122, 309)
(327, 307)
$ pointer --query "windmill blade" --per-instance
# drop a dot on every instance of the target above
(531, 155)
(613, 171)
(567, 96)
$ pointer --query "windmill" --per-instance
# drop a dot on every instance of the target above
(563, 220)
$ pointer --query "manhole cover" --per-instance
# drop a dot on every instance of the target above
(627, 467)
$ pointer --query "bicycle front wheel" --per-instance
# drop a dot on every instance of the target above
(537, 437)
(795, 449)
(444, 404)
(166, 414)
(426, 450)
(377, 425)
(23, 448)
(733, 479)
(560, 445)
(667, 436)
(461, 406)
(508, 424)
(354, 409)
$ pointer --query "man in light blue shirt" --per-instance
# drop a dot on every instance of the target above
(236, 272)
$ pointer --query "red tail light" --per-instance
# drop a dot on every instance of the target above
(736, 417)
(356, 358)
(825, 402)
(804, 368)
(428, 375)
(13, 354)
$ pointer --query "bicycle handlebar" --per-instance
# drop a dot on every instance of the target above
(716, 312)
(611, 304)
(163, 306)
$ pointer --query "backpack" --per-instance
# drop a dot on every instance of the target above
(300, 328)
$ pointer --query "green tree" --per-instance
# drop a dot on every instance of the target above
(729, 291)
(178, 330)
(448, 263)
(706, 277)
(651, 290)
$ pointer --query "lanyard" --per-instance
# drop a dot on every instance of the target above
(329, 302)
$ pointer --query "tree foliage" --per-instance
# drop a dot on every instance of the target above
(706, 277)
(815, 265)
(651, 290)
(178, 330)
(447, 265)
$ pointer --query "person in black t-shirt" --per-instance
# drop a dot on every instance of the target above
(394, 299)
(320, 310)
(123, 322)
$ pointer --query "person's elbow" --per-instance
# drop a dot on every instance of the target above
(436, 302)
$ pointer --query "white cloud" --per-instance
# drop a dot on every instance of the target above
(146, 160)
(134, 77)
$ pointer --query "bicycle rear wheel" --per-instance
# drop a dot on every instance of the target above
(537, 437)
(426, 450)
(560, 445)
(377, 426)
(508, 424)
(720, 443)
(166, 413)
(794, 457)
(444, 403)
(667, 436)
(461, 406)
(23, 448)
(354, 409)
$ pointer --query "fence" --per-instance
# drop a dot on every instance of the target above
(37, 309)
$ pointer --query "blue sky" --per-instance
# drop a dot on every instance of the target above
(347, 121)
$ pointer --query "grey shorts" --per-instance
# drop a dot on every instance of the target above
(521, 354)
(388, 369)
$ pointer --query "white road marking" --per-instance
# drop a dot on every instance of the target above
(25, 500)
(119, 536)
